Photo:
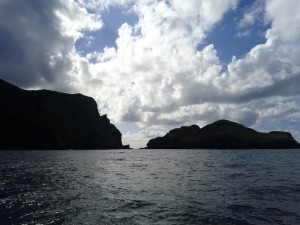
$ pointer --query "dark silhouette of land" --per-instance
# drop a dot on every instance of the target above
(223, 134)
(52, 120)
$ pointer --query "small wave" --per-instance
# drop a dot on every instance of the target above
(194, 218)
(279, 216)
(217, 220)
(136, 204)
(125, 206)
(276, 211)
(237, 207)
(268, 192)
(234, 165)
(138, 165)
(235, 175)
(120, 159)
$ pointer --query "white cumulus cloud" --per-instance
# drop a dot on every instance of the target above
(156, 75)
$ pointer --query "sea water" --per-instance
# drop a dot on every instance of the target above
(150, 187)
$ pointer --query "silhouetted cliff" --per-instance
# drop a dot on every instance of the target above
(222, 134)
(52, 120)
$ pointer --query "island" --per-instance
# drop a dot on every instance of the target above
(223, 134)
(49, 120)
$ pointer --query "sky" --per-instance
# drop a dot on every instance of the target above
(154, 65)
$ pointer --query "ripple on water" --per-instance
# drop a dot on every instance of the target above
(150, 187)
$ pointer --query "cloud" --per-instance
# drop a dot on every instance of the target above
(159, 56)
(252, 14)
(285, 19)
(157, 76)
(270, 69)
(245, 33)
(37, 41)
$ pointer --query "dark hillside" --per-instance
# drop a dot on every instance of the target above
(52, 120)
(222, 134)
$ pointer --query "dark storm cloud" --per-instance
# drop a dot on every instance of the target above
(131, 116)
(284, 88)
(30, 39)
(199, 93)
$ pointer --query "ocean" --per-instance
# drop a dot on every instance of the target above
(160, 187)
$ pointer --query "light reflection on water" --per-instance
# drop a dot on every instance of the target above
(150, 187)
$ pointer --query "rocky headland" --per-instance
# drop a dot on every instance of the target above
(45, 119)
(223, 134)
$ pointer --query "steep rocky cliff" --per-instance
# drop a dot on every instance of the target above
(222, 134)
(52, 120)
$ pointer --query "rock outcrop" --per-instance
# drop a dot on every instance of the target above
(52, 120)
(223, 134)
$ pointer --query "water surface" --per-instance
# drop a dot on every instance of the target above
(150, 187)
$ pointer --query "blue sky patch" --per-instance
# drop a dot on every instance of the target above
(229, 39)
(113, 18)
(127, 127)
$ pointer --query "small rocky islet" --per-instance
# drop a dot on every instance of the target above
(49, 120)
(223, 134)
